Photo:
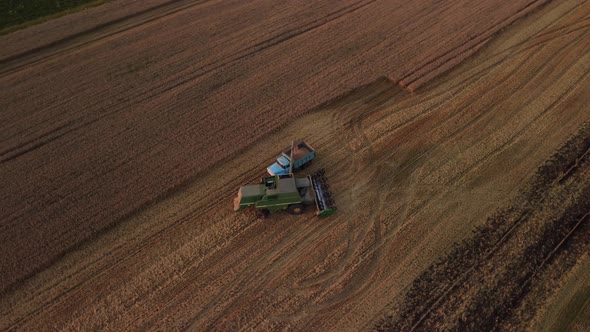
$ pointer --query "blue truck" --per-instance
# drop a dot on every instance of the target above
(303, 154)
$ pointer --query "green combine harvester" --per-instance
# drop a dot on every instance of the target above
(286, 192)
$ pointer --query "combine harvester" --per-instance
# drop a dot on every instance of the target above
(286, 192)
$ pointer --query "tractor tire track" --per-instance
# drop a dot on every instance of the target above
(37, 55)
(508, 234)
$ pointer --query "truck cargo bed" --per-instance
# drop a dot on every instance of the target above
(300, 150)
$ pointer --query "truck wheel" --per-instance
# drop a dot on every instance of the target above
(262, 214)
(296, 208)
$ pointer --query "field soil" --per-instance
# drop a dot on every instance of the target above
(124, 143)
(108, 123)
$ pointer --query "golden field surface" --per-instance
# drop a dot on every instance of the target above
(455, 136)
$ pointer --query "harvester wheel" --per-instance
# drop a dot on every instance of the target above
(296, 208)
(262, 214)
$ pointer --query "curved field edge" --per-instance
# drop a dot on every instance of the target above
(499, 277)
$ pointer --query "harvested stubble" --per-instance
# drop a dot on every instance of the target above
(101, 124)
(411, 175)
(499, 277)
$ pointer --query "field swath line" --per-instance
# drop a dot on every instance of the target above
(40, 54)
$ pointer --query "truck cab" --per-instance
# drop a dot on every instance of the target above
(303, 154)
